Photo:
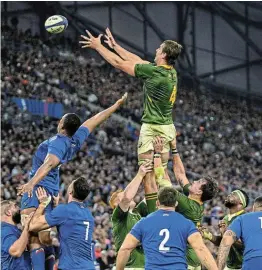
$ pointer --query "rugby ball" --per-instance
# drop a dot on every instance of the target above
(56, 24)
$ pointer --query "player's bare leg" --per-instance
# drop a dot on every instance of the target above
(37, 251)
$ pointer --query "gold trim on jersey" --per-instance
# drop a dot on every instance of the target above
(230, 216)
(166, 66)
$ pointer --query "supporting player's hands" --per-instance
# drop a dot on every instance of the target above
(27, 220)
(42, 196)
(90, 41)
(122, 99)
(222, 226)
(158, 144)
(26, 188)
(206, 234)
(110, 39)
(145, 168)
(56, 200)
(173, 144)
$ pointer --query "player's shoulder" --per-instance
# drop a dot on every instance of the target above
(8, 229)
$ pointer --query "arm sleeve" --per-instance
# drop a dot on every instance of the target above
(81, 135)
(186, 189)
(191, 228)
(142, 209)
(8, 241)
(182, 200)
(56, 216)
(144, 71)
(57, 147)
(119, 214)
(236, 227)
(137, 230)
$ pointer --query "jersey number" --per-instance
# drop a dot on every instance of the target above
(173, 96)
(164, 232)
(87, 229)
(260, 221)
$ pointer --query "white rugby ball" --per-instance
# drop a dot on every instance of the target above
(56, 24)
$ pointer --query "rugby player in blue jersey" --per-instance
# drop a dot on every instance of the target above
(164, 235)
(247, 228)
(47, 159)
(13, 241)
(75, 225)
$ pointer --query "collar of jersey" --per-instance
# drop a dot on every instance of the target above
(196, 201)
(236, 214)
(166, 66)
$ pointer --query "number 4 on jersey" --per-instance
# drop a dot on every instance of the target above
(173, 96)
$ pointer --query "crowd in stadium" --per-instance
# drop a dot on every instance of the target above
(217, 137)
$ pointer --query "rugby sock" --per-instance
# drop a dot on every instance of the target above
(38, 258)
(151, 202)
(49, 258)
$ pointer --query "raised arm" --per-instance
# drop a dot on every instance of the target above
(202, 252)
(127, 66)
(229, 238)
(124, 252)
(99, 118)
(132, 188)
(123, 53)
(19, 246)
(50, 162)
(178, 166)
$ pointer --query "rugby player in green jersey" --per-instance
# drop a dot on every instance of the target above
(160, 89)
(236, 202)
(191, 201)
(126, 214)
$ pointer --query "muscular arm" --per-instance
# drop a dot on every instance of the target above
(19, 246)
(204, 255)
(228, 239)
(124, 252)
(99, 118)
(38, 222)
(51, 161)
(179, 171)
(116, 61)
(132, 188)
(128, 56)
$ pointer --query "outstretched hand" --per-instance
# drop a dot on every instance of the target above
(122, 99)
(90, 41)
(145, 168)
(158, 144)
(109, 39)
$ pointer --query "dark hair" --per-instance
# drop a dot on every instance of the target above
(80, 189)
(258, 202)
(167, 196)
(71, 123)
(210, 189)
(246, 196)
(172, 50)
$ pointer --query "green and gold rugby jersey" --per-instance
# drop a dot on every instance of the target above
(235, 256)
(160, 90)
(123, 222)
(194, 211)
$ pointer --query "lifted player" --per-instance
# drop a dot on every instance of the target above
(160, 89)
(191, 203)
(57, 150)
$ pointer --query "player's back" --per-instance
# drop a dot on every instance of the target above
(76, 225)
(61, 146)
(251, 234)
(164, 237)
